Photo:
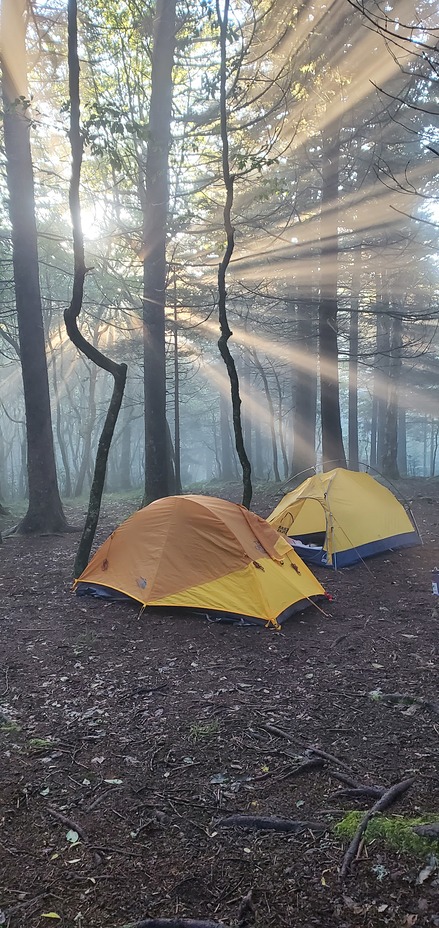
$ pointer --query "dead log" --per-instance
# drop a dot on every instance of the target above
(271, 823)
(386, 800)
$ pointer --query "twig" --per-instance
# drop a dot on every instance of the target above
(386, 800)
(65, 820)
(335, 760)
(270, 823)
(277, 732)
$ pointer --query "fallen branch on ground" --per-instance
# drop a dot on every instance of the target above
(386, 800)
(65, 820)
(271, 823)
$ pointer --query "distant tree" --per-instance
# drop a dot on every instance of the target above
(45, 512)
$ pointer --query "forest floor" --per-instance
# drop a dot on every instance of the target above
(125, 739)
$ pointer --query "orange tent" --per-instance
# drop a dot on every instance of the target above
(202, 553)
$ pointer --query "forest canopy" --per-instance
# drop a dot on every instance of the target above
(316, 126)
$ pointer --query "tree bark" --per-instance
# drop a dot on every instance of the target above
(45, 512)
(155, 215)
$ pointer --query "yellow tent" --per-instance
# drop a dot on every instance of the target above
(202, 553)
(347, 515)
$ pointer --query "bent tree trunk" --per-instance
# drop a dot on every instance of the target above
(45, 512)
(118, 371)
(225, 330)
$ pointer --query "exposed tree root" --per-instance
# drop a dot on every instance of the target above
(386, 800)
(271, 823)
(358, 792)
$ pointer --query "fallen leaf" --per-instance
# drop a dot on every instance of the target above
(50, 915)
(428, 870)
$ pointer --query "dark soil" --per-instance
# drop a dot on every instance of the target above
(126, 737)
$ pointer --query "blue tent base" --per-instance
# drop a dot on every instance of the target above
(318, 557)
(110, 595)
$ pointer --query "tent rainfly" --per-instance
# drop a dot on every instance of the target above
(341, 517)
(203, 554)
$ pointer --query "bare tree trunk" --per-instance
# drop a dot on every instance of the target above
(88, 424)
(118, 371)
(280, 425)
(353, 364)
(45, 512)
(226, 332)
(390, 454)
(263, 376)
(155, 216)
(402, 440)
(305, 391)
(332, 439)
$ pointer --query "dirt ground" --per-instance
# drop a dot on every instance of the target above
(125, 739)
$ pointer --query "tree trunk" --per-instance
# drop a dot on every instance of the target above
(87, 432)
(225, 330)
(332, 439)
(263, 376)
(402, 440)
(155, 215)
(71, 314)
(45, 512)
(226, 448)
(305, 392)
(353, 364)
(390, 452)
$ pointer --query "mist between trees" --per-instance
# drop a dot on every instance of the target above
(298, 153)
